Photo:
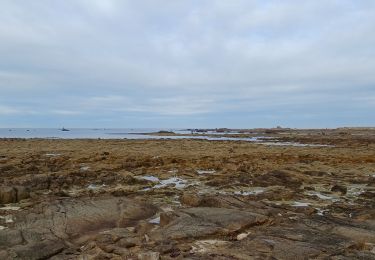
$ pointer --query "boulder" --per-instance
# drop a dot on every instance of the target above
(190, 199)
(22, 193)
(8, 195)
(339, 188)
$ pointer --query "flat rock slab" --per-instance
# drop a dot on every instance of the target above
(62, 222)
(204, 221)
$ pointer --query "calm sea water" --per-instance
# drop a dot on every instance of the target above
(103, 133)
(75, 133)
(131, 133)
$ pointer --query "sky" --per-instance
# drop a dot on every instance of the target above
(196, 63)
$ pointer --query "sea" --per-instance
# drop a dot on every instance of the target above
(106, 133)
(138, 134)
(83, 133)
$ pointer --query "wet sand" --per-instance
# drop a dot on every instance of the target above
(195, 199)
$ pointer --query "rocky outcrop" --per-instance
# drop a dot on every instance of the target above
(52, 227)
(203, 222)
(13, 194)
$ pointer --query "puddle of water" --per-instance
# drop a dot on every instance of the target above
(321, 212)
(201, 172)
(8, 207)
(52, 154)
(177, 182)
(95, 187)
(247, 193)
(322, 196)
(155, 221)
(294, 144)
(148, 178)
(300, 204)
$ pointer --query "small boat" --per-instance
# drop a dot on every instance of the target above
(64, 129)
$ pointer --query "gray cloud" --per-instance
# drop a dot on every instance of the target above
(186, 58)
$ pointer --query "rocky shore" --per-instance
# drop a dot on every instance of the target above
(190, 199)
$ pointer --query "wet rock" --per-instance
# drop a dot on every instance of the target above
(227, 201)
(281, 178)
(167, 217)
(149, 256)
(203, 221)
(309, 188)
(355, 233)
(278, 248)
(36, 181)
(9, 238)
(190, 199)
(368, 195)
(37, 250)
(22, 193)
(339, 188)
(4, 254)
(72, 220)
(8, 195)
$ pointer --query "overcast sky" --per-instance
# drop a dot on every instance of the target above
(193, 63)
